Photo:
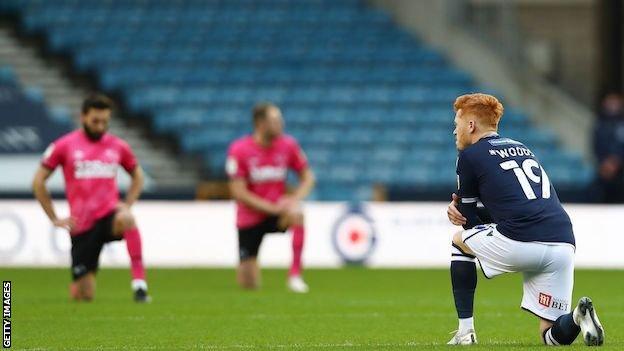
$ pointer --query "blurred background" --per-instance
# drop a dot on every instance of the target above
(366, 86)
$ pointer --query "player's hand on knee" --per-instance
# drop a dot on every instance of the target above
(288, 206)
(66, 223)
(122, 207)
(453, 213)
(288, 203)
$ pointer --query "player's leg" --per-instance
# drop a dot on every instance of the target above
(567, 327)
(295, 221)
(464, 283)
(248, 273)
(83, 288)
(553, 288)
(85, 253)
(124, 226)
(483, 243)
(562, 331)
(548, 291)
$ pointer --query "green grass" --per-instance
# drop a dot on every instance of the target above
(348, 309)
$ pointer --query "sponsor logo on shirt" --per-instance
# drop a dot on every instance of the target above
(268, 174)
(94, 169)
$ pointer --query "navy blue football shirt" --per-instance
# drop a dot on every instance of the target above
(512, 185)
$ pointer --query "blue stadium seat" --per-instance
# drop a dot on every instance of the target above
(369, 102)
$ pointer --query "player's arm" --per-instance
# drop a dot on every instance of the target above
(484, 214)
(468, 192)
(43, 196)
(306, 184)
(469, 210)
(298, 162)
(137, 179)
(136, 185)
(239, 191)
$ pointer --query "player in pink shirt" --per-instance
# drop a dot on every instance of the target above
(257, 166)
(90, 157)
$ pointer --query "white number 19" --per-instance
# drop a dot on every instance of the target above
(525, 173)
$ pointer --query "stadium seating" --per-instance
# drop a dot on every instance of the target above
(369, 102)
(26, 125)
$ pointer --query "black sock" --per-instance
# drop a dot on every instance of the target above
(563, 332)
(464, 281)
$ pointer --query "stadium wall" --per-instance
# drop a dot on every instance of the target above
(202, 234)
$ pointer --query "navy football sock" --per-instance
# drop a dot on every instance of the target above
(464, 281)
(563, 332)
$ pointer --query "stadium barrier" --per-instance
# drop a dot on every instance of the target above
(202, 234)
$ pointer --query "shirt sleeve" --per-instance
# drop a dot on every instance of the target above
(298, 160)
(127, 160)
(467, 182)
(53, 156)
(235, 165)
(468, 191)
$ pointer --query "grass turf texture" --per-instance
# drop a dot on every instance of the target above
(354, 309)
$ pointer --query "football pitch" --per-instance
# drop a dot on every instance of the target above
(347, 309)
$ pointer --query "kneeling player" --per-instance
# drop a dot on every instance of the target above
(531, 234)
(257, 166)
(90, 157)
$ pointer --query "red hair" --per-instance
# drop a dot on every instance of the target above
(486, 108)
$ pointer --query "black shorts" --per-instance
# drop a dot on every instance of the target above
(86, 247)
(249, 239)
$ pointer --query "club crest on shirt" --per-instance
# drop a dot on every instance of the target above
(280, 160)
(78, 154)
(111, 155)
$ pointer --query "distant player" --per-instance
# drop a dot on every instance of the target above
(257, 166)
(90, 157)
(527, 230)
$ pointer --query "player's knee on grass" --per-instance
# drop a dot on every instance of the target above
(248, 274)
(83, 289)
(124, 220)
(88, 287)
(543, 326)
(74, 292)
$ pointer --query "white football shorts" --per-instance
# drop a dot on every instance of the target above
(548, 268)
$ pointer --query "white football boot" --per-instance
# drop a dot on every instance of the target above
(468, 337)
(585, 317)
(297, 285)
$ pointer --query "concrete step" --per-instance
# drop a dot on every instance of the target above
(31, 70)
